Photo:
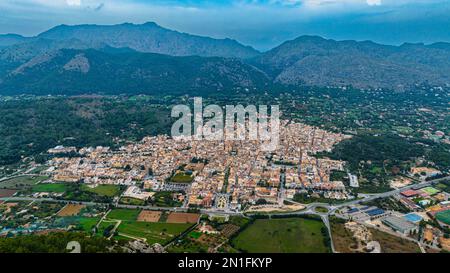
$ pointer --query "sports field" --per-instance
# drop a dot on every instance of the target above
(70, 210)
(430, 190)
(182, 177)
(286, 235)
(444, 217)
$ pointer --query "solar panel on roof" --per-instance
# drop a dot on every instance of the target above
(374, 212)
(353, 210)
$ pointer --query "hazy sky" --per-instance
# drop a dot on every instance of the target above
(260, 23)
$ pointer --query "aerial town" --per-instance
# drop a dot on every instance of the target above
(242, 127)
(207, 192)
(226, 175)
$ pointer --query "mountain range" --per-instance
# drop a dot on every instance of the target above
(122, 71)
(148, 58)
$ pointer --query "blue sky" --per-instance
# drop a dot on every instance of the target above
(260, 23)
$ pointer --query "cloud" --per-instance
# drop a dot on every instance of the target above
(73, 2)
(100, 7)
(261, 23)
(373, 2)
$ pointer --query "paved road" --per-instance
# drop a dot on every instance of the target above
(309, 209)
(367, 197)
(389, 193)
(173, 209)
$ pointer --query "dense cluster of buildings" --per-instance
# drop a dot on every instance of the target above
(225, 174)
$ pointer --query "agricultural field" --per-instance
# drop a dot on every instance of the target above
(42, 210)
(149, 216)
(87, 223)
(152, 232)
(229, 230)
(123, 214)
(182, 218)
(284, 235)
(103, 190)
(6, 193)
(148, 225)
(50, 187)
(70, 210)
(22, 182)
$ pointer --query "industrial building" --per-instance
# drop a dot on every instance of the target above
(399, 224)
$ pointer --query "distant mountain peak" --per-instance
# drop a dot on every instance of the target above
(310, 38)
(316, 61)
(152, 38)
(11, 39)
(11, 35)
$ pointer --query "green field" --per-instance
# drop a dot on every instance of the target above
(124, 214)
(103, 226)
(285, 235)
(87, 223)
(22, 182)
(152, 232)
(182, 177)
(430, 190)
(444, 217)
(103, 190)
(131, 201)
(195, 234)
(56, 188)
(403, 130)
(321, 210)
(445, 186)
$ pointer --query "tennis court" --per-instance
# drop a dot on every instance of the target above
(412, 217)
